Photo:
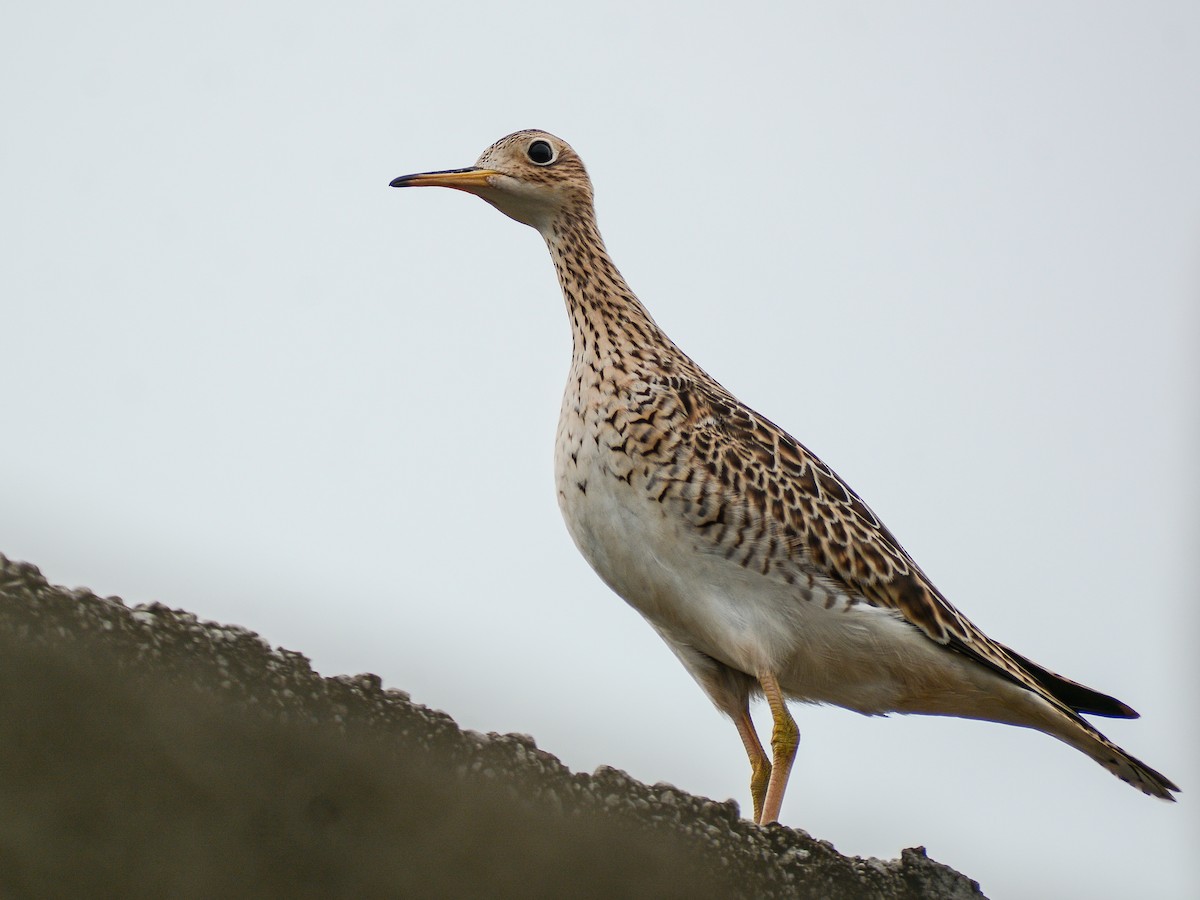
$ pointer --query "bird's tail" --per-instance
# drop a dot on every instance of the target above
(1058, 702)
(1082, 736)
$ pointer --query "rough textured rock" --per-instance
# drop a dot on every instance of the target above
(145, 753)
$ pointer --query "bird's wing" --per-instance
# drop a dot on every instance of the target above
(819, 522)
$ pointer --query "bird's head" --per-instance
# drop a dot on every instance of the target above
(530, 176)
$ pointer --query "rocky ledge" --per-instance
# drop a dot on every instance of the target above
(147, 753)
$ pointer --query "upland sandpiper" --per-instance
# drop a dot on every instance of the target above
(750, 557)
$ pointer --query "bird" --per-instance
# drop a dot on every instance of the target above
(760, 568)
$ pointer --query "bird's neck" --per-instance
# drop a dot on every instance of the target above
(607, 319)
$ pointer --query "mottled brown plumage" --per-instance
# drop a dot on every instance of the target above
(761, 569)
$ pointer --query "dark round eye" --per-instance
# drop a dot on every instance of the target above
(541, 152)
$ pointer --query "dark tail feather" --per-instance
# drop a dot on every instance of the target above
(1072, 693)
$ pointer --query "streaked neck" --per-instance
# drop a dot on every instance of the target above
(607, 319)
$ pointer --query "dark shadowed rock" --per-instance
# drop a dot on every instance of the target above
(144, 753)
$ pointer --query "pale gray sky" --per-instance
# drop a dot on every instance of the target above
(954, 248)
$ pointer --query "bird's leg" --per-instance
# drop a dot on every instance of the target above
(785, 737)
(760, 765)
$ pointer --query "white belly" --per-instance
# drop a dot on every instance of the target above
(824, 645)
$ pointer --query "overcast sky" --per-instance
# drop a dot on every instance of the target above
(954, 248)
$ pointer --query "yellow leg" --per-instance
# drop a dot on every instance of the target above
(760, 766)
(785, 737)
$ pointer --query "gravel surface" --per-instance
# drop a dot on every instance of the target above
(147, 753)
